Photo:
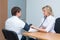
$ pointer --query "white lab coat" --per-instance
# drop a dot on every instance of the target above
(16, 25)
(49, 24)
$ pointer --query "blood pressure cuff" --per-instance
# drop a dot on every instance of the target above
(27, 27)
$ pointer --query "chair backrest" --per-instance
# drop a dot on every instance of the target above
(9, 35)
(57, 25)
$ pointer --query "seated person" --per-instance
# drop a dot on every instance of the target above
(48, 21)
(15, 24)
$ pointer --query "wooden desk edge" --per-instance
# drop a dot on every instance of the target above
(33, 36)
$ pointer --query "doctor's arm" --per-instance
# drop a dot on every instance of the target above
(39, 29)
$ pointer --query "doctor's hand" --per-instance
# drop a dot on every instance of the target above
(42, 30)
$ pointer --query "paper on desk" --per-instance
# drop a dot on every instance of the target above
(32, 30)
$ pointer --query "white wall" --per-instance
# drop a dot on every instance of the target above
(34, 12)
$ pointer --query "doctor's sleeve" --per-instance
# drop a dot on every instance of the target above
(27, 27)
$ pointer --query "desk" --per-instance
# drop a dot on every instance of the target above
(42, 35)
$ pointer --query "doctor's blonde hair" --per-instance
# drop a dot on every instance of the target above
(49, 9)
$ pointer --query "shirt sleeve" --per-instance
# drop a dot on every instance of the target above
(27, 27)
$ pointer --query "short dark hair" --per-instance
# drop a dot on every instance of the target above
(14, 10)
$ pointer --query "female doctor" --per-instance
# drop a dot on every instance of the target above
(48, 21)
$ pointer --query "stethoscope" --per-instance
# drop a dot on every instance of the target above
(43, 21)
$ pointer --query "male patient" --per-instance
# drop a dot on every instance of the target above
(15, 24)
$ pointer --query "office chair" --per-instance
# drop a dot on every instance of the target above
(57, 25)
(9, 35)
